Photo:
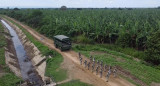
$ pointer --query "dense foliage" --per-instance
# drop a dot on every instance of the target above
(153, 48)
(124, 27)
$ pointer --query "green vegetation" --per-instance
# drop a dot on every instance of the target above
(53, 69)
(74, 83)
(8, 78)
(2, 44)
(128, 51)
(82, 39)
(145, 73)
(153, 51)
(123, 27)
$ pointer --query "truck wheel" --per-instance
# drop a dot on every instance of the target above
(56, 45)
(61, 49)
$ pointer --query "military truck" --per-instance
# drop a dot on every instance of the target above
(62, 42)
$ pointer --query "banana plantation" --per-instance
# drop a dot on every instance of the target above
(134, 28)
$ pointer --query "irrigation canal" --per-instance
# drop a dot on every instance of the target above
(27, 70)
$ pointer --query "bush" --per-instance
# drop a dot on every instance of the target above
(157, 67)
(124, 40)
(63, 29)
(83, 39)
(34, 19)
(153, 48)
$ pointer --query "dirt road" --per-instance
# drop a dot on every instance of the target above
(72, 65)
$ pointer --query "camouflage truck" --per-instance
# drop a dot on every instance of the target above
(62, 42)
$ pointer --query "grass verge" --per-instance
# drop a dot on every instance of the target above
(128, 51)
(145, 73)
(8, 78)
(74, 83)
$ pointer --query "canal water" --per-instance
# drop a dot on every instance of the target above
(27, 69)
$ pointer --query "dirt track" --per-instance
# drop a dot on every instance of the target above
(72, 65)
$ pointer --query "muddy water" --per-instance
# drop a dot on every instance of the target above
(27, 69)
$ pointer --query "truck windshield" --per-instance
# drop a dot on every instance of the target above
(67, 41)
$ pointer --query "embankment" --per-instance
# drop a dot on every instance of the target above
(9, 68)
(34, 55)
(10, 55)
